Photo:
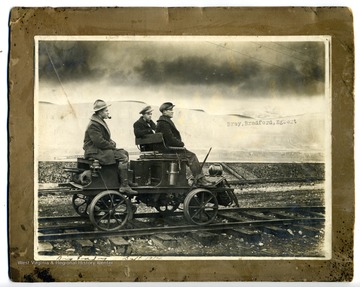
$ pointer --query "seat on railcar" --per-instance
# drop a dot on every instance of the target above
(155, 143)
(90, 173)
(150, 142)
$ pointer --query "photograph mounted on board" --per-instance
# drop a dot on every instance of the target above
(182, 147)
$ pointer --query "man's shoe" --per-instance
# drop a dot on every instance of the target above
(203, 182)
(133, 184)
(127, 190)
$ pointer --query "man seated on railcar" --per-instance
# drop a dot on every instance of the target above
(99, 145)
(144, 126)
(172, 138)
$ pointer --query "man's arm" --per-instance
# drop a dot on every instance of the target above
(141, 130)
(169, 138)
(98, 139)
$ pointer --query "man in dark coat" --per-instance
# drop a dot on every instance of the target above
(144, 126)
(99, 145)
(172, 138)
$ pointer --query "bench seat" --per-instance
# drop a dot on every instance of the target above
(155, 142)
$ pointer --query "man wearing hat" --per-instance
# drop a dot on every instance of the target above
(172, 138)
(144, 125)
(99, 145)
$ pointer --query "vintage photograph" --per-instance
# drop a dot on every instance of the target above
(182, 147)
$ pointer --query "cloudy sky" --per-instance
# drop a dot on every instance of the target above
(233, 75)
(214, 82)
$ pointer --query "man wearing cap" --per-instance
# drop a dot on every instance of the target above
(99, 145)
(172, 138)
(144, 126)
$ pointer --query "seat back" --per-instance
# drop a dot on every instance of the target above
(150, 142)
(150, 139)
(155, 142)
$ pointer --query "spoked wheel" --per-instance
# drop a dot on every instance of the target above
(200, 206)
(109, 210)
(80, 203)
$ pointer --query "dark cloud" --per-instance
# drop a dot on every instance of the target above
(281, 67)
(195, 70)
(250, 75)
(67, 60)
(289, 79)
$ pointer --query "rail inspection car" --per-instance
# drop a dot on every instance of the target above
(161, 182)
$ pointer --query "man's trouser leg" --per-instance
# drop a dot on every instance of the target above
(196, 170)
(194, 164)
(124, 187)
(122, 156)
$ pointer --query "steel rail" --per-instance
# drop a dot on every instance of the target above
(82, 223)
(274, 180)
(177, 229)
(155, 214)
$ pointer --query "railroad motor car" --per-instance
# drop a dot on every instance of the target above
(160, 180)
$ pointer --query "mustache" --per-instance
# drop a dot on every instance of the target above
(109, 117)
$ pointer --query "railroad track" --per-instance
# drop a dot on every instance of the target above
(273, 180)
(239, 181)
(274, 220)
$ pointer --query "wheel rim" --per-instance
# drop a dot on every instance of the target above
(200, 207)
(80, 203)
(109, 210)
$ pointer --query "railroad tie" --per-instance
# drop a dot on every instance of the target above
(277, 231)
(308, 230)
(122, 246)
(205, 238)
(247, 234)
(255, 215)
(164, 240)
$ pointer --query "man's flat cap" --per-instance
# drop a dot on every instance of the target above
(166, 106)
(145, 110)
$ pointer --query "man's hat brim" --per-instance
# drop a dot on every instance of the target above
(101, 108)
(145, 110)
(166, 106)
